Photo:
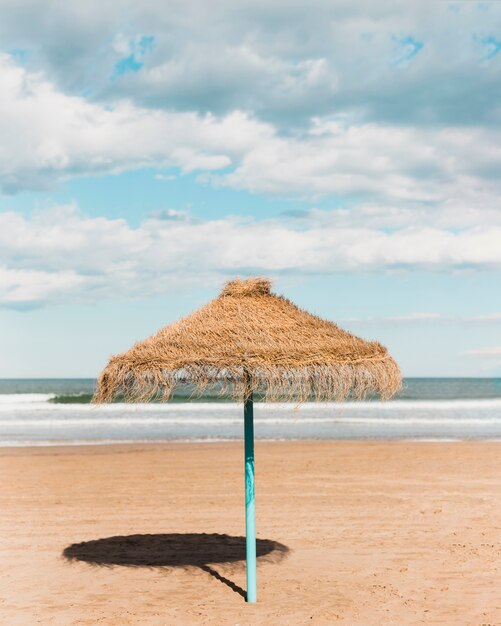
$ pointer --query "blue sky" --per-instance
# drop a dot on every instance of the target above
(350, 152)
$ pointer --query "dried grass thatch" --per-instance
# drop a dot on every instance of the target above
(249, 339)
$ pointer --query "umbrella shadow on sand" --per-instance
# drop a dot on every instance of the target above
(174, 550)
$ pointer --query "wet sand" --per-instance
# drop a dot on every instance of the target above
(358, 533)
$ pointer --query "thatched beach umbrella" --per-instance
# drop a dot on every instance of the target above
(250, 340)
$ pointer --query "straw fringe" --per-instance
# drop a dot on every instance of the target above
(320, 383)
(249, 340)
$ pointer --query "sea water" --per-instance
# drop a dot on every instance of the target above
(58, 411)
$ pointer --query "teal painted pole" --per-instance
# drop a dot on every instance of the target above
(250, 503)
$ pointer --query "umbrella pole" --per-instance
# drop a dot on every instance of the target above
(250, 510)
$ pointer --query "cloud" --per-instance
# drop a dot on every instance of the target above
(63, 255)
(408, 318)
(488, 317)
(168, 177)
(170, 214)
(416, 168)
(404, 63)
(400, 176)
(494, 352)
(419, 317)
(27, 288)
(49, 136)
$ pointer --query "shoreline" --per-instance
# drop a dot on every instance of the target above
(139, 444)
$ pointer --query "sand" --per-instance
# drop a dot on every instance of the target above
(376, 533)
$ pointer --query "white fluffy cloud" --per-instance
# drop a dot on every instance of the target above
(399, 174)
(19, 288)
(411, 166)
(61, 254)
(48, 135)
(390, 113)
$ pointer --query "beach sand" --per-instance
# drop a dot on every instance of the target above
(377, 533)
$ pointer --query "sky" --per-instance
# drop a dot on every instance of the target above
(151, 151)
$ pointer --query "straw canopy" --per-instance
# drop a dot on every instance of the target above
(249, 339)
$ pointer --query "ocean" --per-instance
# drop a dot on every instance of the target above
(58, 411)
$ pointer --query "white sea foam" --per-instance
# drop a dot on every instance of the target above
(229, 421)
(13, 399)
(31, 419)
(41, 402)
